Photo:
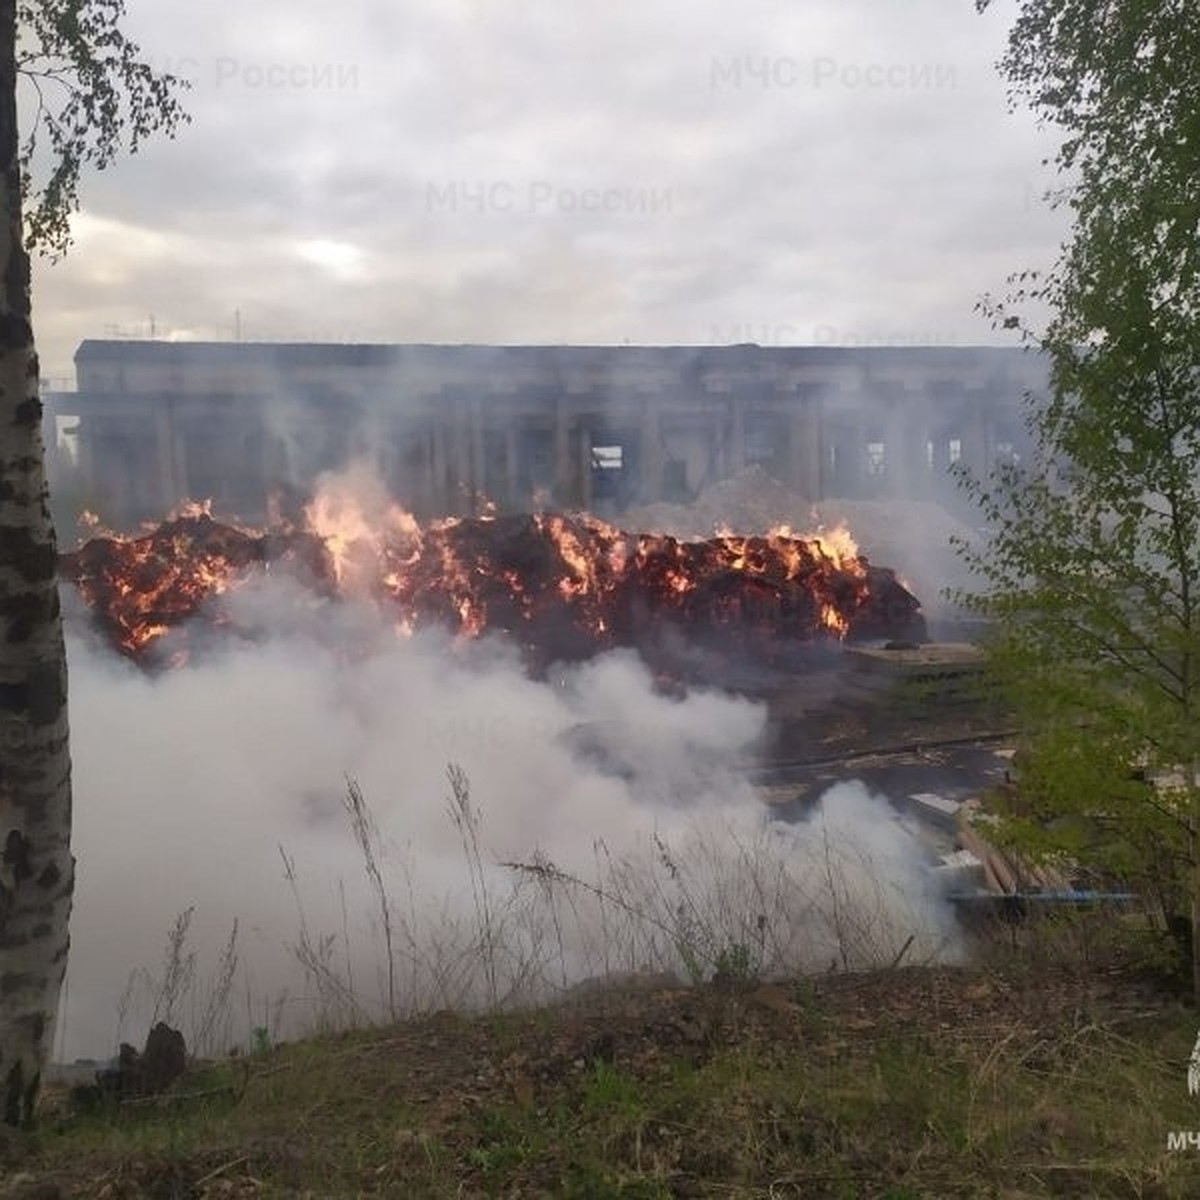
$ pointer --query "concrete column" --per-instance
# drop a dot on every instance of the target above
(512, 498)
(180, 467)
(897, 450)
(440, 497)
(805, 446)
(168, 485)
(652, 459)
(394, 452)
(460, 475)
(478, 473)
(976, 448)
(274, 461)
(855, 478)
(562, 455)
(717, 450)
(381, 447)
(428, 472)
(735, 458)
(585, 468)
(919, 430)
(87, 461)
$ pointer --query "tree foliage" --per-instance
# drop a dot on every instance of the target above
(1092, 574)
(93, 98)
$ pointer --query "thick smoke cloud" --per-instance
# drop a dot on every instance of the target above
(189, 783)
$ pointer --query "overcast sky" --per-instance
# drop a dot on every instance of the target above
(534, 171)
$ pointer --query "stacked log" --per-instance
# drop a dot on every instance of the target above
(1005, 872)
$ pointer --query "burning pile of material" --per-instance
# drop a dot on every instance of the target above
(564, 587)
(917, 536)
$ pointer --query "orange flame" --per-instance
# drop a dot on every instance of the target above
(510, 573)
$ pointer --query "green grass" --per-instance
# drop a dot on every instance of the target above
(909, 1084)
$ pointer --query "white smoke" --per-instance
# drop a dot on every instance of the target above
(188, 783)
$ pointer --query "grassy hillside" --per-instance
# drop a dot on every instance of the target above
(918, 1082)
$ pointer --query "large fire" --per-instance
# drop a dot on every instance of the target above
(563, 586)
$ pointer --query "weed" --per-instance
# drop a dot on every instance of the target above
(179, 970)
(338, 1006)
(735, 966)
(610, 1092)
(467, 820)
(212, 1031)
(505, 1142)
(366, 835)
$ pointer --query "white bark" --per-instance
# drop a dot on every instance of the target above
(36, 867)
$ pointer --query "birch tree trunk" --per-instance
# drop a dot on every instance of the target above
(37, 872)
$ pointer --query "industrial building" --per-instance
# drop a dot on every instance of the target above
(453, 428)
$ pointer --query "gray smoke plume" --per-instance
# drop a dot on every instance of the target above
(645, 845)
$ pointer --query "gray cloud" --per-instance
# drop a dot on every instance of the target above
(485, 171)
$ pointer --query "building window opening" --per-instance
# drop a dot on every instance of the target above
(614, 467)
(675, 486)
(876, 458)
(955, 448)
(762, 442)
